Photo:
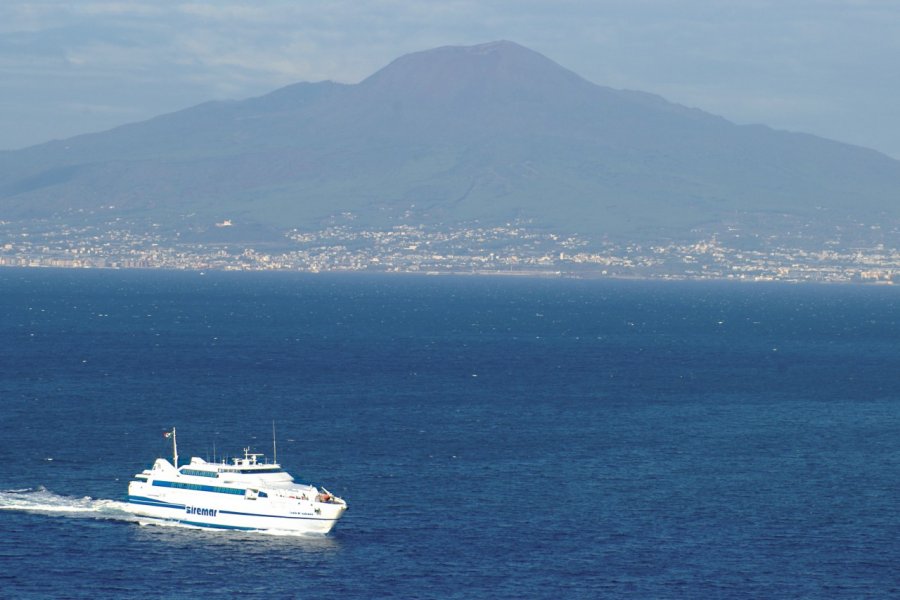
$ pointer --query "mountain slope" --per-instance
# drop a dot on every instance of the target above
(491, 132)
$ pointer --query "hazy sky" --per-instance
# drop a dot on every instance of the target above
(828, 67)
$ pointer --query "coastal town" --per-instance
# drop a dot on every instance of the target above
(509, 249)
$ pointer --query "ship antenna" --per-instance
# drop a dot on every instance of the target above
(174, 448)
(274, 447)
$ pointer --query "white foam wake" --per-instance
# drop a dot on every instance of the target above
(42, 500)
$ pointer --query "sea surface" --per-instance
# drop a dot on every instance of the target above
(494, 437)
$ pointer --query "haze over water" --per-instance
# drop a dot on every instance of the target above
(493, 437)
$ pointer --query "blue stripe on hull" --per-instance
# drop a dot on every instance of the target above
(244, 514)
(161, 520)
(215, 525)
(153, 502)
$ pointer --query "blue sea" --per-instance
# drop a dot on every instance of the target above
(493, 437)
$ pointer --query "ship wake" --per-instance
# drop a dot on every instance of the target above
(42, 500)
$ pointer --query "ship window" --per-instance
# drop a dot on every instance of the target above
(197, 473)
(261, 471)
(199, 487)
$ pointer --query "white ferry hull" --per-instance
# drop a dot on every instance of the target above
(235, 513)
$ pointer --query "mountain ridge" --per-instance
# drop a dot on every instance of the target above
(490, 133)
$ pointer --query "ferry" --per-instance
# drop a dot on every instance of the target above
(245, 494)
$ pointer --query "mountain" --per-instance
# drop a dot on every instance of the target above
(493, 133)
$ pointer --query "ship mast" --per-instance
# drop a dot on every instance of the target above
(274, 447)
(174, 448)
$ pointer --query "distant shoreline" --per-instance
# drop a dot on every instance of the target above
(503, 274)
